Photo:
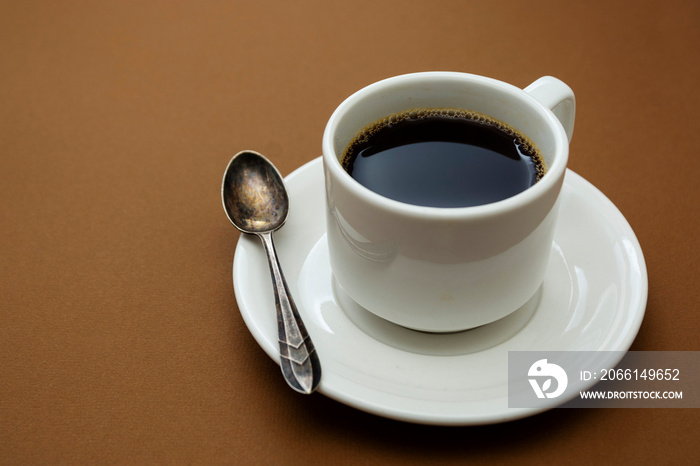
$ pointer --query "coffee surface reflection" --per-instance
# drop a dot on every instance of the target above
(443, 158)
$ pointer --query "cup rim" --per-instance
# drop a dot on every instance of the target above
(553, 175)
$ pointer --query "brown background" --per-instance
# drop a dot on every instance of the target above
(120, 339)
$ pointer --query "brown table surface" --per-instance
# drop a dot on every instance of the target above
(120, 337)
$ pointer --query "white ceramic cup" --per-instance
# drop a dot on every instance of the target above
(446, 269)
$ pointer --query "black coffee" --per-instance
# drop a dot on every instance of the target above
(443, 158)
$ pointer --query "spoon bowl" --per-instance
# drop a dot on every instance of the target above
(253, 193)
(256, 202)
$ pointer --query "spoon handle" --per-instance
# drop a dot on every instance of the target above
(298, 358)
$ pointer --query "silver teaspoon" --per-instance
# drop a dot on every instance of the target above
(256, 202)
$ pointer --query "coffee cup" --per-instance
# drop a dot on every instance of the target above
(445, 269)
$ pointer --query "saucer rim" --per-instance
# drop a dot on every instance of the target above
(377, 408)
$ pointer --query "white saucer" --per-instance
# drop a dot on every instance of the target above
(593, 299)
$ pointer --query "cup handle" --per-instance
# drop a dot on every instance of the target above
(558, 97)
